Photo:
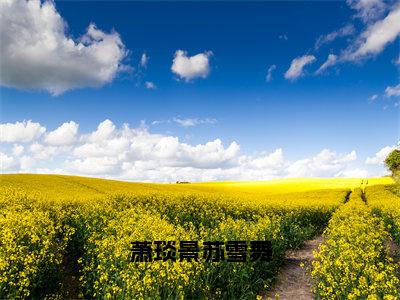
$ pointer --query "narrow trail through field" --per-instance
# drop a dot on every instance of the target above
(394, 251)
(293, 281)
(70, 278)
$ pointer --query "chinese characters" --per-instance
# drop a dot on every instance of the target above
(211, 251)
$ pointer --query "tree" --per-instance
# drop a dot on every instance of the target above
(392, 162)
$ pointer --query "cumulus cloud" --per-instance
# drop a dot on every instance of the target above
(269, 73)
(128, 148)
(330, 61)
(376, 37)
(265, 161)
(150, 85)
(191, 67)
(38, 53)
(17, 150)
(325, 162)
(23, 132)
(137, 154)
(63, 135)
(7, 163)
(43, 152)
(93, 165)
(393, 91)
(380, 156)
(330, 37)
(105, 130)
(296, 68)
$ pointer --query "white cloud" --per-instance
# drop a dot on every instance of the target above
(380, 156)
(265, 161)
(393, 91)
(63, 135)
(17, 150)
(150, 85)
(323, 164)
(373, 98)
(376, 37)
(26, 163)
(190, 67)
(331, 60)
(23, 132)
(186, 122)
(297, 66)
(330, 37)
(38, 53)
(353, 173)
(7, 163)
(137, 154)
(368, 10)
(105, 130)
(378, 32)
(189, 122)
(93, 165)
(107, 147)
(130, 148)
(269, 73)
(144, 59)
(43, 152)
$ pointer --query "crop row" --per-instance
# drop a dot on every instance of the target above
(354, 262)
(385, 201)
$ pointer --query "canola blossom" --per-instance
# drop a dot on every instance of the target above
(385, 201)
(354, 260)
(53, 226)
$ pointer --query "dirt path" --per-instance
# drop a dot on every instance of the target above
(293, 282)
(70, 278)
(394, 251)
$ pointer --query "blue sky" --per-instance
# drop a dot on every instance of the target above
(345, 108)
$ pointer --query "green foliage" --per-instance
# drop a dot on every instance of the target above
(392, 162)
(48, 221)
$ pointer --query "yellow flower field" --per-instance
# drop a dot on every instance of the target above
(354, 262)
(55, 229)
